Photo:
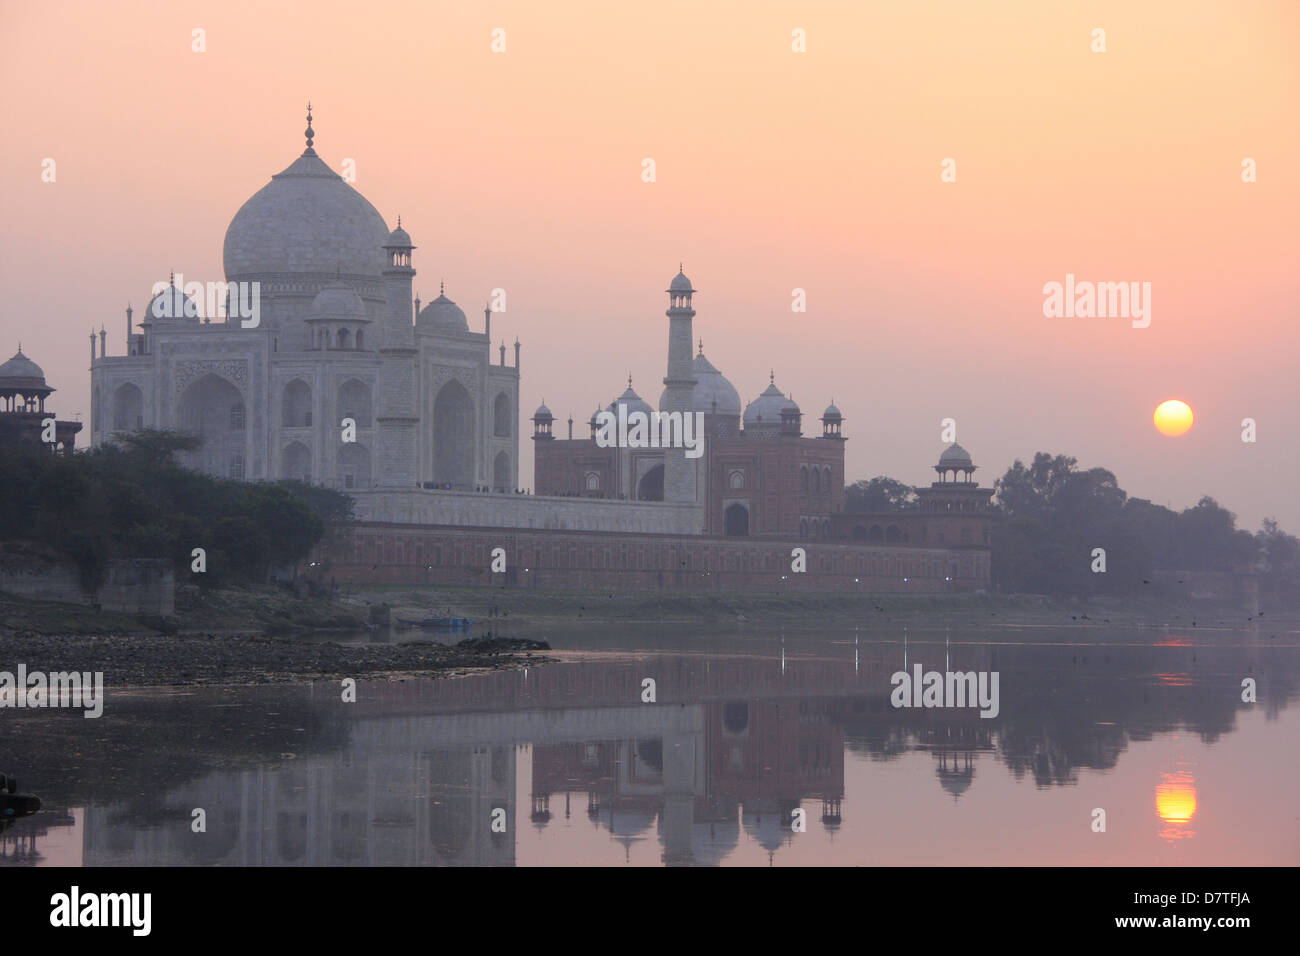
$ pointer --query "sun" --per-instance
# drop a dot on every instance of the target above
(1173, 418)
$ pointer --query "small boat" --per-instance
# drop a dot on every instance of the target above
(14, 804)
(439, 623)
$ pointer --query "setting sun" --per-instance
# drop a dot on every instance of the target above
(1173, 418)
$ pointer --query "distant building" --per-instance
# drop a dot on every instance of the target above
(953, 512)
(758, 475)
(24, 419)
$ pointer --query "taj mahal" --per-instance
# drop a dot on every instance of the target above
(339, 337)
(347, 380)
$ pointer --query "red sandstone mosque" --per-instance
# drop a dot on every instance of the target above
(759, 475)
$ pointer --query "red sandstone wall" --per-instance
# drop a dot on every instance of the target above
(460, 557)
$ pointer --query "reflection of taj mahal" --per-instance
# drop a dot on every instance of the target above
(338, 336)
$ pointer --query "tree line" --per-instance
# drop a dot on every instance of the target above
(131, 498)
(1051, 515)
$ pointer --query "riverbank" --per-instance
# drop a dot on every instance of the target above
(239, 610)
(140, 660)
(230, 636)
(518, 610)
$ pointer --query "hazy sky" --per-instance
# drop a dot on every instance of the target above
(775, 170)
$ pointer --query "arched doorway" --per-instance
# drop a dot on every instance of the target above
(295, 462)
(128, 408)
(651, 485)
(354, 465)
(354, 403)
(213, 409)
(501, 471)
(501, 416)
(736, 521)
(453, 437)
(295, 406)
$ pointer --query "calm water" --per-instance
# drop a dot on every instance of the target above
(747, 728)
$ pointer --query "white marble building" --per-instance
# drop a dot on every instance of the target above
(339, 336)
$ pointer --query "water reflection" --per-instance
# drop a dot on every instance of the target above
(737, 754)
(1176, 805)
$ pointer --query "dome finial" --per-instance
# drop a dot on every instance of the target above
(629, 379)
(701, 346)
(442, 287)
(171, 281)
(771, 376)
(309, 134)
(399, 220)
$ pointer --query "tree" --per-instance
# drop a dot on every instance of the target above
(879, 494)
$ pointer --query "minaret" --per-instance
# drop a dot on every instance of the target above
(398, 279)
(398, 425)
(679, 384)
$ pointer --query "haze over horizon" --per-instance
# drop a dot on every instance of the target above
(775, 170)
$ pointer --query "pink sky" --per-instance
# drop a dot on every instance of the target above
(775, 170)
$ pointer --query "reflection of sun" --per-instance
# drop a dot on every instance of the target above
(1173, 418)
(1176, 804)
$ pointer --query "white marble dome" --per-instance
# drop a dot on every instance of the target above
(441, 316)
(680, 283)
(170, 303)
(710, 386)
(306, 220)
(338, 303)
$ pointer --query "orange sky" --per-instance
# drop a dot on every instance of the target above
(776, 170)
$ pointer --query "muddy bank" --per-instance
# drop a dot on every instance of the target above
(248, 610)
(516, 611)
(188, 659)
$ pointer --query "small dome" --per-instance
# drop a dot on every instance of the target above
(339, 303)
(442, 316)
(955, 457)
(710, 386)
(831, 412)
(680, 283)
(21, 372)
(542, 412)
(399, 237)
(633, 401)
(170, 303)
(766, 409)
